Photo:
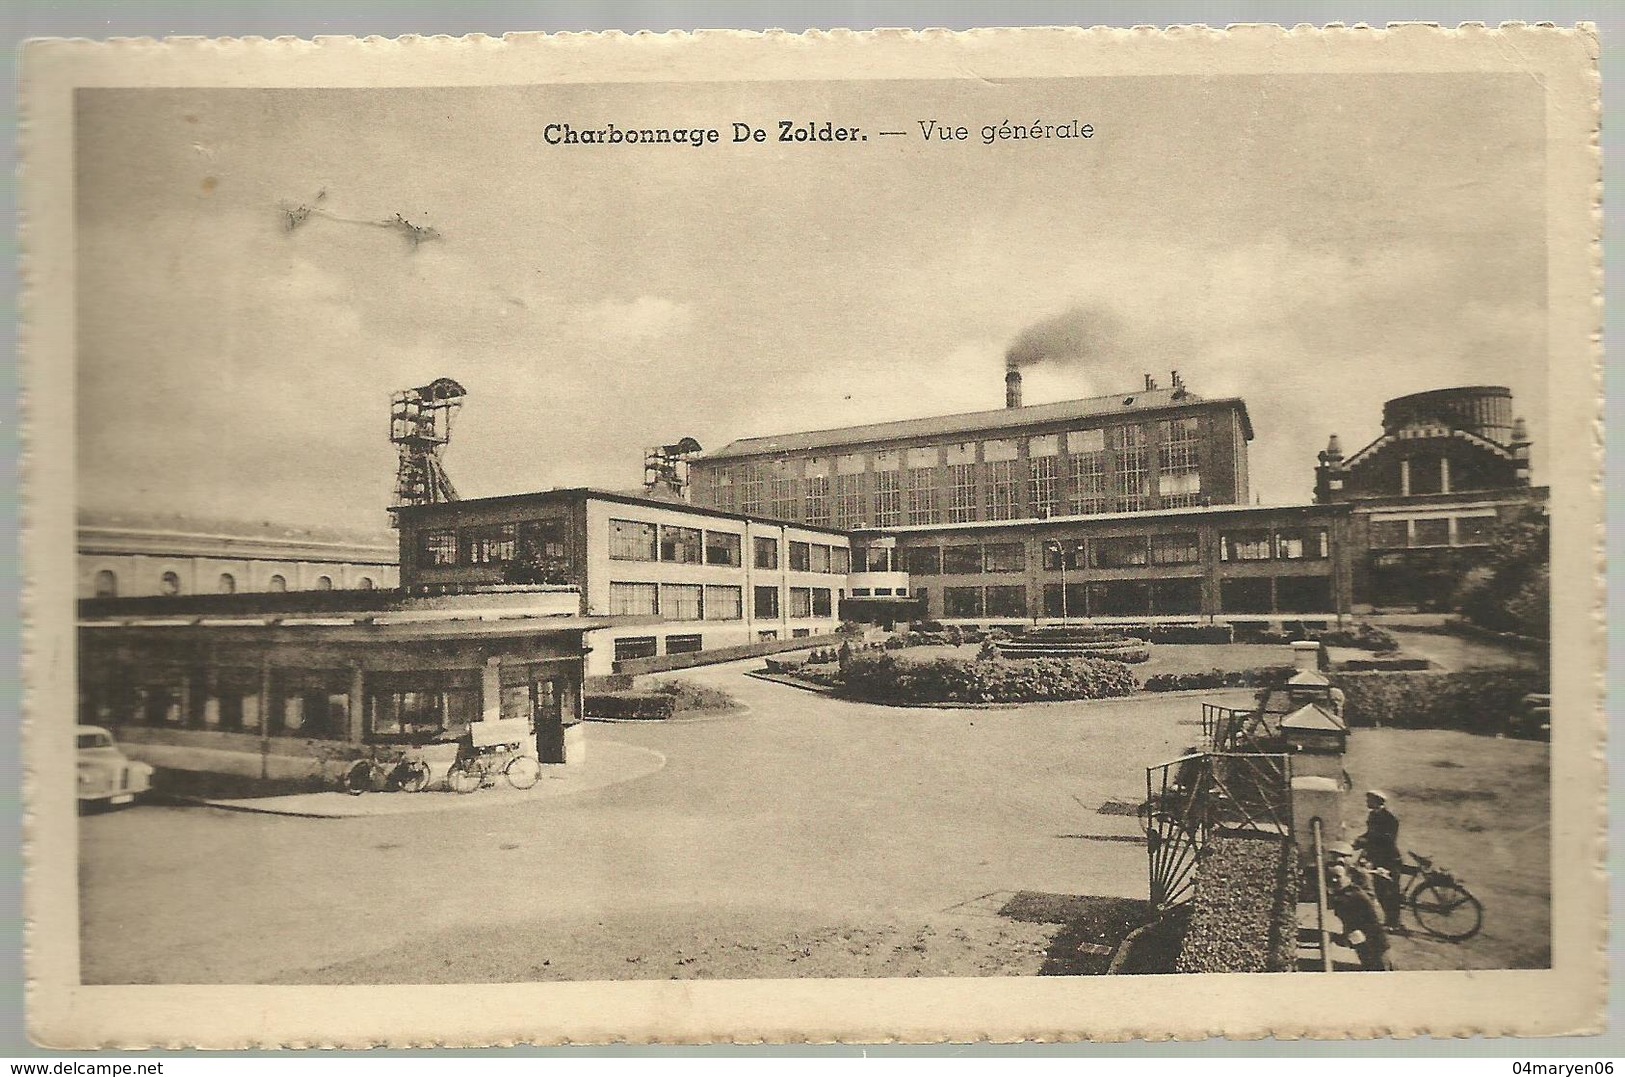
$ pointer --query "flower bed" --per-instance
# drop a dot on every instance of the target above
(882, 678)
(1235, 917)
(691, 697)
(652, 706)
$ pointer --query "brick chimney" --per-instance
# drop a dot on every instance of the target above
(1012, 388)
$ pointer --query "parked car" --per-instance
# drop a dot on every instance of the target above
(106, 775)
(1533, 720)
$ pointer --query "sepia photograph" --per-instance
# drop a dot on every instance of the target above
(1078, 521)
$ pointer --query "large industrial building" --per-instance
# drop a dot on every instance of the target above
(1427, 492)
(706, 579)
(1131, 507)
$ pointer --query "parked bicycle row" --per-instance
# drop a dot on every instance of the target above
(408, 772)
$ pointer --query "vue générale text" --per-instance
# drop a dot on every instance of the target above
(807, 132)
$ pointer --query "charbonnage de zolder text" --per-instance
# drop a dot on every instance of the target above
(812, 133)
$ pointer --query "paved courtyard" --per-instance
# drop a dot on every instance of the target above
(804, 816)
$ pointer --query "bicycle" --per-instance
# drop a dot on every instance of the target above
(1442, 905)
(480, 768)
(406, 773)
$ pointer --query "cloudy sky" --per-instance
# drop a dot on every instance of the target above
(1313, 244)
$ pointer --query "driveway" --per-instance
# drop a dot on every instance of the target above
(846, 838)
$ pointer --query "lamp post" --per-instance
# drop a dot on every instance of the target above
(1060, 551)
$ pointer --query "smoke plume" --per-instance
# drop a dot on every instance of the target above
(1085, 333)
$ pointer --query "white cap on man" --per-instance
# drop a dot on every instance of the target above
(1378, 794)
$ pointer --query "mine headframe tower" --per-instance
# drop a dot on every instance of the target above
(420, 428)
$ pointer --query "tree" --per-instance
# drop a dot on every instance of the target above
(1510, 591)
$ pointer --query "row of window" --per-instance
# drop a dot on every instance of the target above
(1141, 598)
(1123, 551)
(1446, 531)
(631, 540)
(540, 543)
(712, 602)
(106, 584)
(1100, 471)
(628, 648)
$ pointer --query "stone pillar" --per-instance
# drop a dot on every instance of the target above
(491, 691)
(1306, 655)
(356, 732)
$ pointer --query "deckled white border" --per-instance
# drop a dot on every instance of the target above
(1568, 998)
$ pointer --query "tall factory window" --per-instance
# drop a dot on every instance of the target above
(840, 560)
(1001, 491)
(681, 545)
(1004, 557)
(800, 557)
(961, 493)
(921, 495)
(922, 560)
(1125, 551)
(785, 504)
(1390, 534)
(750, 489)
(818, 499)
(767, 602)
(961, 560)
(723, 603)
(1305, 544)
(888, 499)
(683, 601)
(962, 602)
(800, 602)
(1079, 442)
(1006, 601)
(1133, 469)
(767, 552)
(1431, 533)
(821, 605)
(440, 548)
(491, 545)
(1303, 594)
(1088, 482)
(634, 600)
(106, 584)
(542, 538)
(1245, 546)
(1042, 487)
(722, 489)
(877, 559)
(1179, 480)
(1473, 530)
(1180, 549)
(721, 548)
(848, 500)
(820, 558)
(683, 644)
(632, 541)
(1176, 596)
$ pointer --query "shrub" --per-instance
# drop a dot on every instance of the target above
(691, 697)
(883, 678)
(654, 706)
(1218, 678)
(784, 665)
(928, 626)
(1388, 663)
(1235, 907)
(1188, 634)
(1477, 701)
(1366, 637)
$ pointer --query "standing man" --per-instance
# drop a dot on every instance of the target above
(1380, 842)
(1362, 926)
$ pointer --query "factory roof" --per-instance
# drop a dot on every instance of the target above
(977, 422)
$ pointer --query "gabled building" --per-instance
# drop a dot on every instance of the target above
(1426, 494)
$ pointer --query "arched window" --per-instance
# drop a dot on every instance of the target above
(364, 583)
(106, 584)
(276, 584)
(324, 583)
(228, 583)
(169, 584)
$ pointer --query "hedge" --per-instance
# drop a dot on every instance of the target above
(1219, 678)
(647, 705)
(1477, 701)
(691, 697)
(1235, 919)
(882, 678)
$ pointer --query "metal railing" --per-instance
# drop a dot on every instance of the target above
(1191, 799)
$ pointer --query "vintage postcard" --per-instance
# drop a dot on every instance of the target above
(1013, 535)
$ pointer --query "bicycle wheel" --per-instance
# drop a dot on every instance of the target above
(464, 777)
(358, 777)
(522, 771)
(1447, 911)
(414, 776)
